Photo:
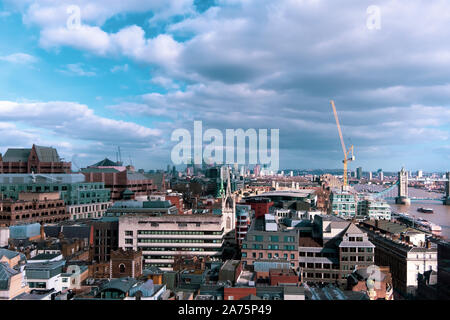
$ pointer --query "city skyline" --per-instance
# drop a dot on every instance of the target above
(130, 74)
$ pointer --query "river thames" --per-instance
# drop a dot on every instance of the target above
(441, 215)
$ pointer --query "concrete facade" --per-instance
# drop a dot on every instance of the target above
(161, 237)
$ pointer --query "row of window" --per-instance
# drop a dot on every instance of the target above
(327, 266)
(269, 247)
(180, 249)
(270, 255)
(322, 275)
(369, 250)
(359, 258)
(260, 238)
(157, 232)
(178, 241)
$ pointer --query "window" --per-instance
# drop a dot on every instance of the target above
(128, 241)
(269, 255)
(259, 238)
(122, 268)
(360, 249)
(274, 238)
(128, 233)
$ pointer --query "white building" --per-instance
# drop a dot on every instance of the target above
(44, 275)
(162, 236)
(374, 209)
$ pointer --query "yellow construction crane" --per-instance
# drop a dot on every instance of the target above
(346, 152)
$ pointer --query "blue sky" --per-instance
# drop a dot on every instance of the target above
(136, 70)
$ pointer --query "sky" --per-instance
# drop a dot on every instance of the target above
(131, 72)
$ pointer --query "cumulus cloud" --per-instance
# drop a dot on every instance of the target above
(266, 64)
(76, 121)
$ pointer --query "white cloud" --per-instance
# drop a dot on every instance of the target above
(77, 121)
(129, 42)
(19, 58)
(76, 69)
(123, 68)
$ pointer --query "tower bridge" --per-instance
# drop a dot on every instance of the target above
(399, 191)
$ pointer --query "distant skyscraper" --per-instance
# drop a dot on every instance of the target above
(359, 172)
(381, 176)
(257, 170)
(419, 174)
(370, 175)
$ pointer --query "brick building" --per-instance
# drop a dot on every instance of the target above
(32, 208)
(260, 206)
(123, 183)
(37, 159)
(283, 276)
(125, 263)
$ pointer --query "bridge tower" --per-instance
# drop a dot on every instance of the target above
(447, 190)
(402, 197)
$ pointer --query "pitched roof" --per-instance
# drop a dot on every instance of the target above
(353, 229)
(16, 155)
(5, 274)
(47, 154)
(8, 253)
(106, 163)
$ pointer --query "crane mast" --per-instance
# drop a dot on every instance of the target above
(346, 152)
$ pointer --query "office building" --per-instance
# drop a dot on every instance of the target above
(33, 208)
(83, 199)
(406, 252)
(359, 173)
(124, 183)
(266, 239)
(333, 251)
(376, 209)
(343, 204)
(162, 236)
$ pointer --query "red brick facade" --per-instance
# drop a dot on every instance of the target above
(118, 182)
(37, 208)
(238, 293)
(33, 163)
